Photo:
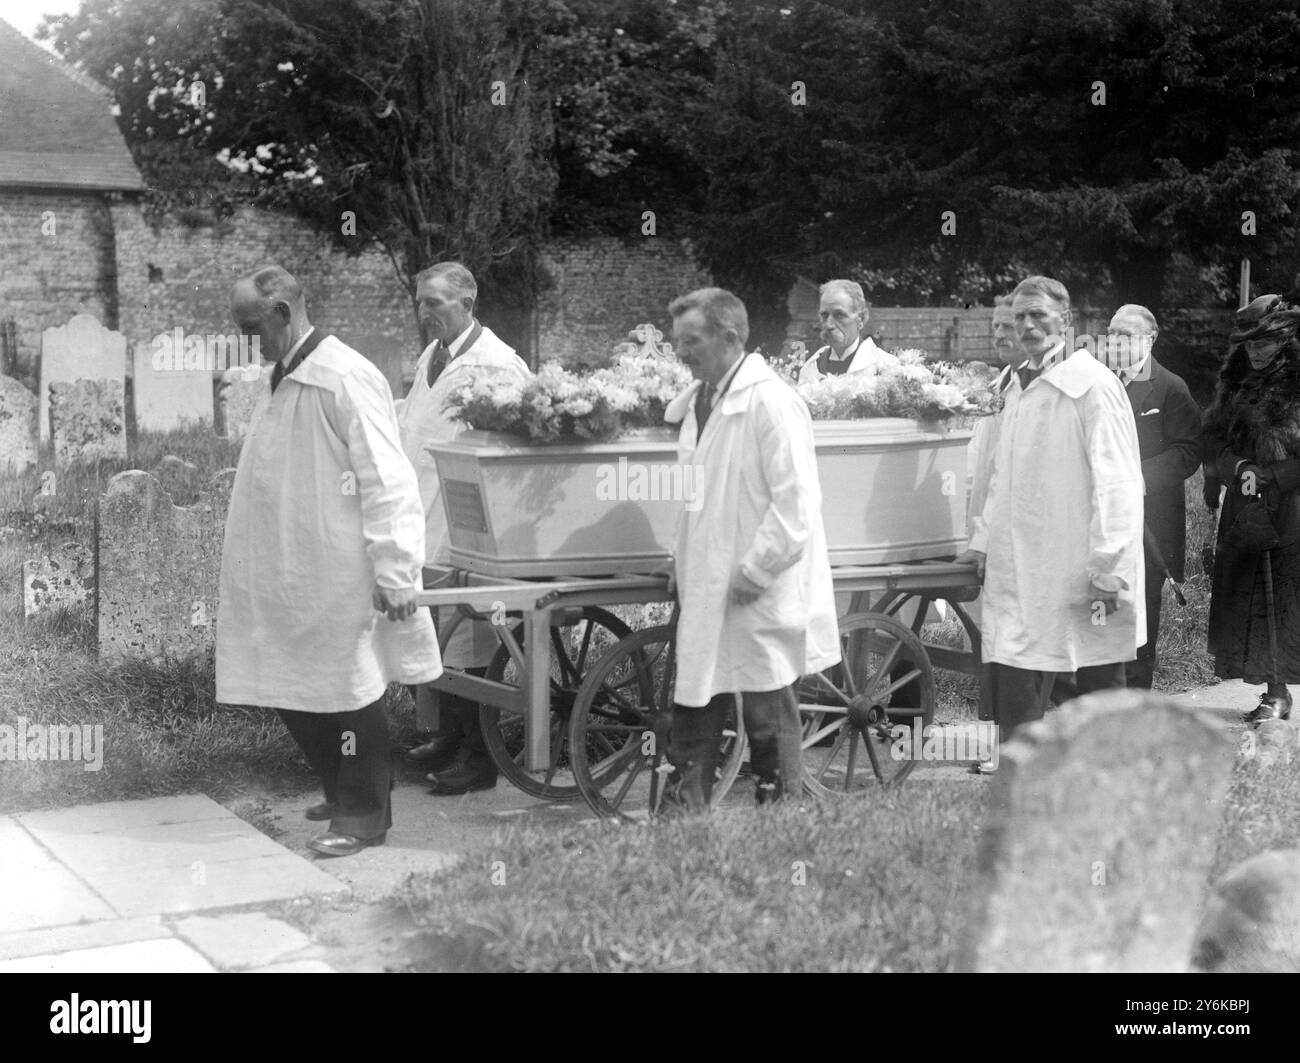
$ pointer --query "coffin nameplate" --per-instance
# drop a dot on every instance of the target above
(465, 505)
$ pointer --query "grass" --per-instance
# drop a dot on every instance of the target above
(866, 885)
(163, 731)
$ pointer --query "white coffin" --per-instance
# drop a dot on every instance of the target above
(892, 490)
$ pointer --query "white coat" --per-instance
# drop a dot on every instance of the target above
(324, 506)
(423, 421)
(1064, 507)
(862, 359)
(761, 512)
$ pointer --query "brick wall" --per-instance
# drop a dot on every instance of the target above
(179, 275)
(45, 279)
(603, 286)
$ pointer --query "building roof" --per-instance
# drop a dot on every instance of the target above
(56, 124)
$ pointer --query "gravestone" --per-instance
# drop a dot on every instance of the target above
(168, 396)
(159, 567)
(1252, 923)
(17, 427)
(86, 421)
(242, 390)
(179, 478)
(1099, 838)
(63, 580)
(80, 350)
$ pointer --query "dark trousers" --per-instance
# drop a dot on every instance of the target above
(1140, 673)
(458, 718)
(350, 754)
(775, 745)
(1021, 695)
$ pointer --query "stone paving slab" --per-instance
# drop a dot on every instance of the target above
(222, 884)
(162, 956)
(124, 815)
(244, 939)
(81, 936)
(36, 890)
(301, 967)
(141, 849)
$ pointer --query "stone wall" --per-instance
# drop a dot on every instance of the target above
(603, 286)
(47, 277)
(179, 275)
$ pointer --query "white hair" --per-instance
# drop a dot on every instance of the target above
(857, 298)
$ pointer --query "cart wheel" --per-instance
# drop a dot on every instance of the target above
(849, 711)
(574, 649)
(621, 722)
(891, 603)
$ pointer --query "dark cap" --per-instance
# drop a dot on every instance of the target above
(1263, 318)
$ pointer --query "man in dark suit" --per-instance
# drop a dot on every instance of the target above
(1169, 436)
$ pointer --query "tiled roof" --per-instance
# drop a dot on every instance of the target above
(56, 126)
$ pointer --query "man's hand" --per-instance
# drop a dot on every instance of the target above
(975, 557)
(743, 589)
(396, 605)
(1110, 599)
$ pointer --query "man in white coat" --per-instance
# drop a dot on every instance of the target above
(751, 569)
(445, 294)
(1059, 541)
(324, 534)
(843, 314)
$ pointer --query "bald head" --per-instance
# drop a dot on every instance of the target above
(268, 305)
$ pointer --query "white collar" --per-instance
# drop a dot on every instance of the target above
(454, 345)
(722, 384)
(847, 354)
(1133, 372)
(288, 358)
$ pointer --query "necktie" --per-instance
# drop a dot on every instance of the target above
(437, 362)
(703, 407)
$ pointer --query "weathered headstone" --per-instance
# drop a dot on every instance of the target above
(17, 426)
(1099, 838)
(159, 567)
(80, 350)
(178, 478)
(86, 420)
(242, 391)
(167, 395)
(1252, 923)
(65, 579)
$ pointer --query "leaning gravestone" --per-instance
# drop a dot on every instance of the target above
(1099, 838)
(86, 421)
(167, 395)
(80, 350)
(17, 427)
(241, 391)
(159, 567)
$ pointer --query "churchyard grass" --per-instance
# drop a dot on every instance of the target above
(876, 884)
(162, 731)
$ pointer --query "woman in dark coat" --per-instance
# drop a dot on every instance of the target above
(1253, 446)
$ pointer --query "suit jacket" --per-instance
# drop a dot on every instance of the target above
(1169, 437)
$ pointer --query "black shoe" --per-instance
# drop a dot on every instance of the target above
(437, 754)
(324, 810)
(463, 778)
(1270, 707)
(331, 844)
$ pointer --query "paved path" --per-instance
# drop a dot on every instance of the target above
(182, 884)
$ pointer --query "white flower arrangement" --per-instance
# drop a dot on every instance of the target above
(558, 405)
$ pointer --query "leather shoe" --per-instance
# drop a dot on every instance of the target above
(437, 754)
(1270, 707)
(322, 811)
(331, 844)
(464, 778)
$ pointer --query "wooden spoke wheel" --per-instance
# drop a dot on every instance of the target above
(855, 715)
(575, 647)
(621, 722)
(965, 660)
